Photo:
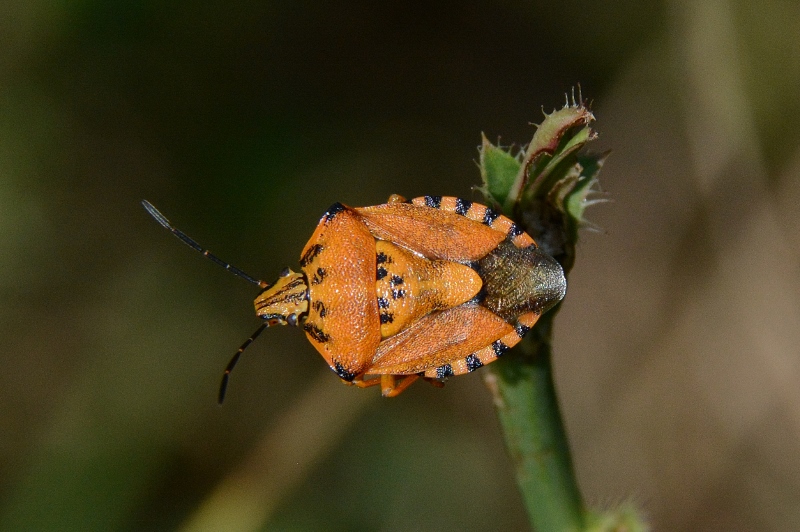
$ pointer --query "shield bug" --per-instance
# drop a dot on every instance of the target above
(425, 288)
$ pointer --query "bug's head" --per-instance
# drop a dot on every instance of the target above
(286, 301)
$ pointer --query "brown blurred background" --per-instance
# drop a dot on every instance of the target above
(676, 350)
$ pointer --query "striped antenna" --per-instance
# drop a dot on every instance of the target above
(232, 364)
(186, 239)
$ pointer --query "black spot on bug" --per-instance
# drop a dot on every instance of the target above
(444, 371)
(333, 210)
(343, 373)
(316, 333)
(381, 273)
(318, 276)
(433, 201)
(522, 330)
(473, 362)
(398, 294)
(319, 306)
(490, 216)
(462, 206)
(396, 280)
(382, 257)
(383, 302)
(308, 256)
(499, 348)
(387, 317)
(514, 230)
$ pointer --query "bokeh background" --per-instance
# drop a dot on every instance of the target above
(676, 349)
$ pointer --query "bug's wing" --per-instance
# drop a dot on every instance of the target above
(435, 233)
(438, 339)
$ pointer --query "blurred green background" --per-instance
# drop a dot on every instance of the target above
(676, 350)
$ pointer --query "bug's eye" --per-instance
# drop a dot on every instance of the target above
(292, 320)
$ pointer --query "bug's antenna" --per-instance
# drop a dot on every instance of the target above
(186, 239)
(232, 364)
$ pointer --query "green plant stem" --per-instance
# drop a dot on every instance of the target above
(524, 393)
(545, 190)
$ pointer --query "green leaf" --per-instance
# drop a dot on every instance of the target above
(559, 136)
(561, 159)
(499, 169)
(578, 198)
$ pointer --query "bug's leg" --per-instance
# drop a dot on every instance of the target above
(396, 198)
(433, 382)
(391, 387)
(361, 383)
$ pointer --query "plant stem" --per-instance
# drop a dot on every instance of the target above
(525, 398)
(545, 190)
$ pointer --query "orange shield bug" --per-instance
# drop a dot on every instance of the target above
(430, 287)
